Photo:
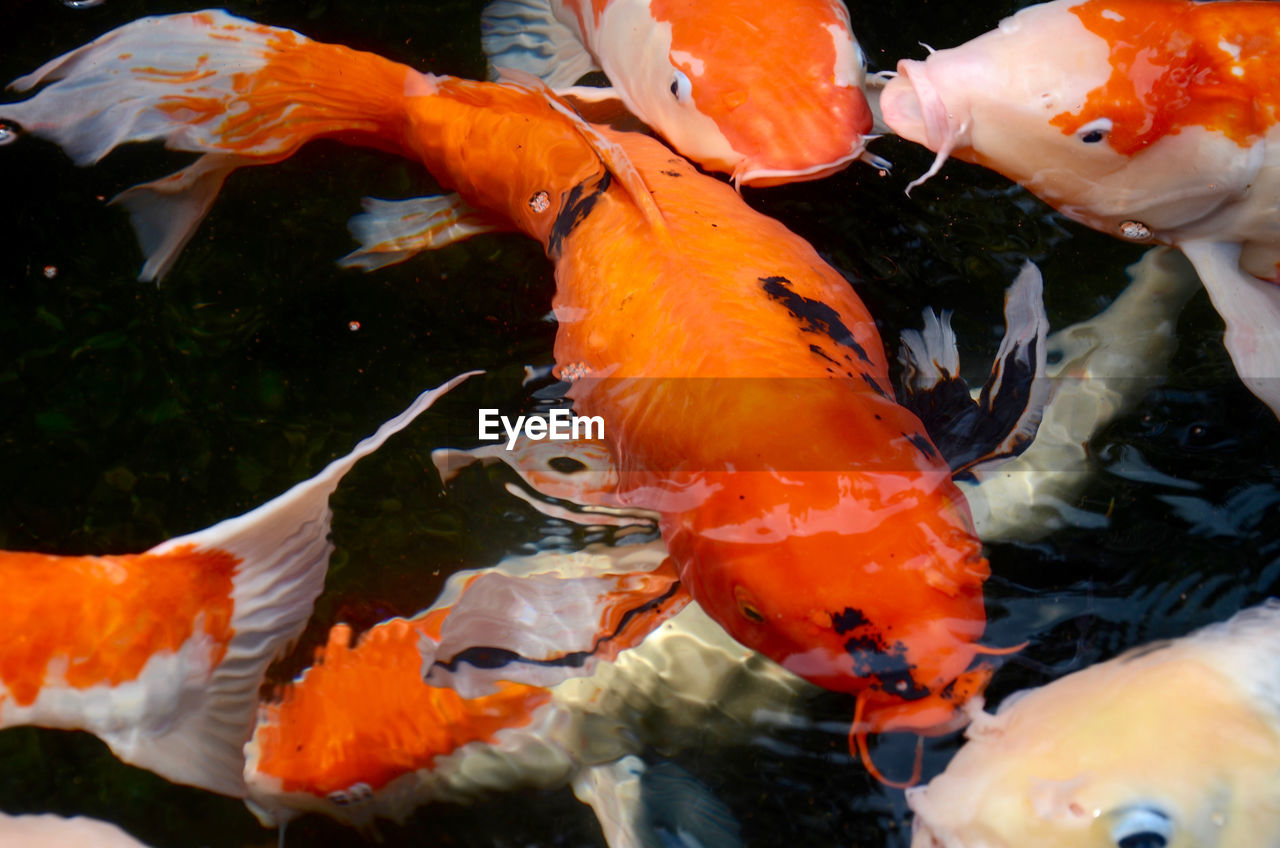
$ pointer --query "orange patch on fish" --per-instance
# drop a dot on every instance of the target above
(114, 614)
(1175, 65)
(390, 722)
(803, 26)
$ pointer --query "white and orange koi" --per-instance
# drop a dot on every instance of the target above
(161, 654)
(1150, 120)
(359, 737)
(769, 91)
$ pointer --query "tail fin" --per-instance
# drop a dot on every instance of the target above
(284, 550)
(212, 83)
(162, 654)
(1003, 420)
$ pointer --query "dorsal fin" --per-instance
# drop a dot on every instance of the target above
(609, 151)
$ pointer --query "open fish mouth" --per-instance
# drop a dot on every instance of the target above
(912, 107)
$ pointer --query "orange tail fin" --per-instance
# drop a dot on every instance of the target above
(239, 92)
(161, 654)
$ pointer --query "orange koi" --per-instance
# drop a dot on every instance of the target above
(1151, 120)
(358, 737)
(161, 654)
(743, 384)
(787, 113)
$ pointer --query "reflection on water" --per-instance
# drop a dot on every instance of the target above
(131, 413)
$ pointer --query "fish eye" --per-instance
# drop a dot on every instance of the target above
(1141, 827)
(681, 88)
(748, 608)
(1094, 131)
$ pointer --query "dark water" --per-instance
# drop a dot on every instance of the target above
(131, 413)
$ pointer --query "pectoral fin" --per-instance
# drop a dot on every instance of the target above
(391, 231)
(1251, 310)
(525, 35)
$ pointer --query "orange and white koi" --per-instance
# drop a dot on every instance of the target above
(358, 736)
(1151, 120)
(743, 384)
(767, 91)
(161, 654)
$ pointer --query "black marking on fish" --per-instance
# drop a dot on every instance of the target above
(821, 353)
(850, 619)
(575, 208)
(486, 657)
(671, 173)
(875, 387)
(817, 316)
(922, 445)
(873, 658)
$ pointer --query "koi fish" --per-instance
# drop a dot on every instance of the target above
(359, 736)
(1087, 759)
(743, 384)
(784, 115)
(161, 654)
(50, 831)
(1151, 120)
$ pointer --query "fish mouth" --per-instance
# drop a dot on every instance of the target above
(761, 175)
(911, 106)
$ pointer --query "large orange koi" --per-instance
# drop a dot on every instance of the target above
(743, 384)
(161, 654)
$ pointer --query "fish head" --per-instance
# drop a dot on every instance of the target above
(869, 584)
(1155, 750)
(1094, 107)
(770, 94)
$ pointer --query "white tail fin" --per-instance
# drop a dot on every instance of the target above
(284, 550)
(205, 82)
